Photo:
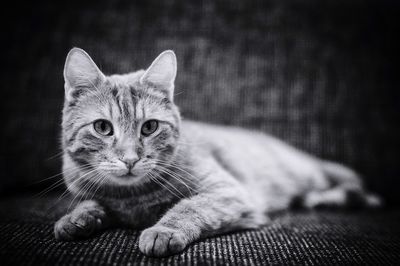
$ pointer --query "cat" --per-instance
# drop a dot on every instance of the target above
(134, 162)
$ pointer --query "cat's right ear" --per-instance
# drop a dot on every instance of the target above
(80, 73)
(161, 73)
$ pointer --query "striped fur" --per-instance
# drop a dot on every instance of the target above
(192, 180)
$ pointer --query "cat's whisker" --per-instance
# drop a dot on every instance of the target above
(83, 189)
(174, 175)
(95, 185)
(66, 171)
(100, 183)
(53, 186)
(170, 184)
(178, 175)
(94, 182)
(178, 167)
(170, 171)
(166, 164)
(91, 183)
(47, 190)
(65, 193)
(98, 91)
(154, 178)
(68, 188)
(58, 154)
(191, 143)
(87, 187)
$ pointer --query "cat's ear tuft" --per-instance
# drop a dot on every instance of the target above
(80, 72)
(162, 72)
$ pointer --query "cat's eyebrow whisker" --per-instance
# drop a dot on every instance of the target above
(96, 95)
(154, 178)
(97, 90)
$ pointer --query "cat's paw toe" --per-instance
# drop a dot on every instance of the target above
(161, 241)
(74, 226)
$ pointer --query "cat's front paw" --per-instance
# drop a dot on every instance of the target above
(161, 241)
(76, 225)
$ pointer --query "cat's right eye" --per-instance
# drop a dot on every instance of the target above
(103, 127)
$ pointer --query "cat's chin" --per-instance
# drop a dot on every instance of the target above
(127, 179)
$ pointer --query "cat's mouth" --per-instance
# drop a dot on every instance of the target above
(127, 175)
(126, 179)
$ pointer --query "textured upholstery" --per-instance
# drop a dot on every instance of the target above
(319, 74)
(296, 238)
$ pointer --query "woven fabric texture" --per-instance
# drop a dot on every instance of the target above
(319, 74)
(296, 238)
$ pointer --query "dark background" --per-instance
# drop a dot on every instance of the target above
(322, 75)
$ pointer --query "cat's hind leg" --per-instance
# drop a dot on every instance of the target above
(346, 190)
(340, 197)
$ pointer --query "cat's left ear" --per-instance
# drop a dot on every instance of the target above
(162, 72)
(80, 73)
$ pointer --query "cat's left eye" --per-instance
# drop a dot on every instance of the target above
(149, 127)
(103, 127)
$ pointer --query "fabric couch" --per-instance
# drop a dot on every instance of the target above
(322, 75)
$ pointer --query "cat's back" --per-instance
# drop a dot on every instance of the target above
(271, 170)
(239, 142)
(206, 133)
(247, 153)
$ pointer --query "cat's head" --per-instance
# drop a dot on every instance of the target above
(118, 128)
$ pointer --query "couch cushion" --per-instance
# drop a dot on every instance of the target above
(318, 74)
(323, 237)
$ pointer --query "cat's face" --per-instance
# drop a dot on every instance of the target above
(119, 128)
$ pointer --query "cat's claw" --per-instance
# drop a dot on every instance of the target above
(161, 241)
(74, 226)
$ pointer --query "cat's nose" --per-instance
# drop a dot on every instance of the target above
(129, 161)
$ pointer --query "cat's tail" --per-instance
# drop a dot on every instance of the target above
(346, 189)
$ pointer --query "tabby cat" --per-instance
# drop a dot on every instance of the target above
(132, 161)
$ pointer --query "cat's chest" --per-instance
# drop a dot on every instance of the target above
(139, 213)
